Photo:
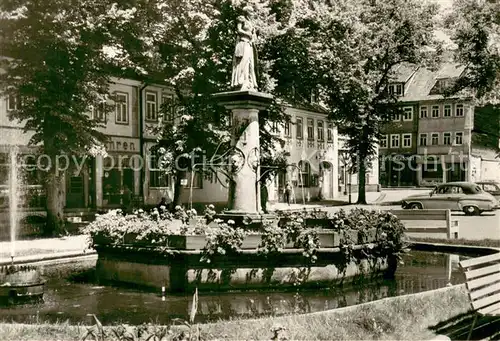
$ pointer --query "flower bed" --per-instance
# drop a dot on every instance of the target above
(309, 230)
(180, 249)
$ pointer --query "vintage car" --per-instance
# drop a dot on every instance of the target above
(491, 187)
(456, 196)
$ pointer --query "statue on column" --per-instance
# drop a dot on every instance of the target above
(243, 76)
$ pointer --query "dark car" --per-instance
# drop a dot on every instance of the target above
(456, 196)
(492, 187)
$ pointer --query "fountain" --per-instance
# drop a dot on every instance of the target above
(17, 283)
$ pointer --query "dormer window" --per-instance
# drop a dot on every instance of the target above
(314, 96)
(442, 84)
(396, 89)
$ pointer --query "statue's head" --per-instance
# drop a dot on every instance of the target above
(248, 10)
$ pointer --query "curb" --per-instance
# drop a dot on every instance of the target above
(380, 198)
(437, 247)
(47, 257)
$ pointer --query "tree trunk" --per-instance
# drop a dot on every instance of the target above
(177, 189)
(361, 183)
(55, 204)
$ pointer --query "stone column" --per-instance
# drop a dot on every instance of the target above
(245, 137)
(243, 195)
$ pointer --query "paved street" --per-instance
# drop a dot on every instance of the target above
(477, 227)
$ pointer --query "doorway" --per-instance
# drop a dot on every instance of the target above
(75, 192)
(327, 175)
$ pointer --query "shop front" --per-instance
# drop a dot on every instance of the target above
(438, 169)
(398, 170)
(117, 174)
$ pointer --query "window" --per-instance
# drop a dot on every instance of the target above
(305, 173)
(435, 139)
(321, 131)
(157, 177)
(300, 128)
(408, 114)
(490, 188)
(447, 138)
(274, 128)
(459, 110)
(13, 102)
(396, 89)
(396, 117)
(449, 190)
(288, 132)
(399, 89)
(383, 141)
(423, 140)
(167, 102)
(423, 112)
(441, 86)
(394, 141)
(459, 138)
(197, 180)
(447, 110)
(407, 140)
(99, 112)
(310, 129)
(329, 132)
(435, 111)
(121, 108)
(151, 112)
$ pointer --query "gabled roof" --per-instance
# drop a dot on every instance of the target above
(450, 70)
(420, 86)
(403, 72)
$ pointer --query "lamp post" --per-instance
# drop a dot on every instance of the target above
(344, 156)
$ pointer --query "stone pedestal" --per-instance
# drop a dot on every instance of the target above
(244, 197)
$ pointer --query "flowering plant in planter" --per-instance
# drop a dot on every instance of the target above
(273, 240)
(184, 215)
(221, 240)
(114, 227)
(209, 213)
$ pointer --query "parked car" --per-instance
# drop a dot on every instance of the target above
(456, 196)
(492, 187)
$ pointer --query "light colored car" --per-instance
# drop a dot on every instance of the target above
(456, 196)
(492, 187)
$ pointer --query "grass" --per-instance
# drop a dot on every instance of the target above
(480, 242)
(402, 318)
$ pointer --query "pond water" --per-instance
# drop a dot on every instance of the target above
(68, 300)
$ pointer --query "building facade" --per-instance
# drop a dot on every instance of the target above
(433, 141)
(311, 144)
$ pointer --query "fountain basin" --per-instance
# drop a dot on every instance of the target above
(20, 284)
(184, 270)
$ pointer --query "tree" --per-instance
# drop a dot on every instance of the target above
(358, 45)
(475, 28)
(61, 54)
(197, 49)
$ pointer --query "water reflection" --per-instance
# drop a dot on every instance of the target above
(67, 300)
